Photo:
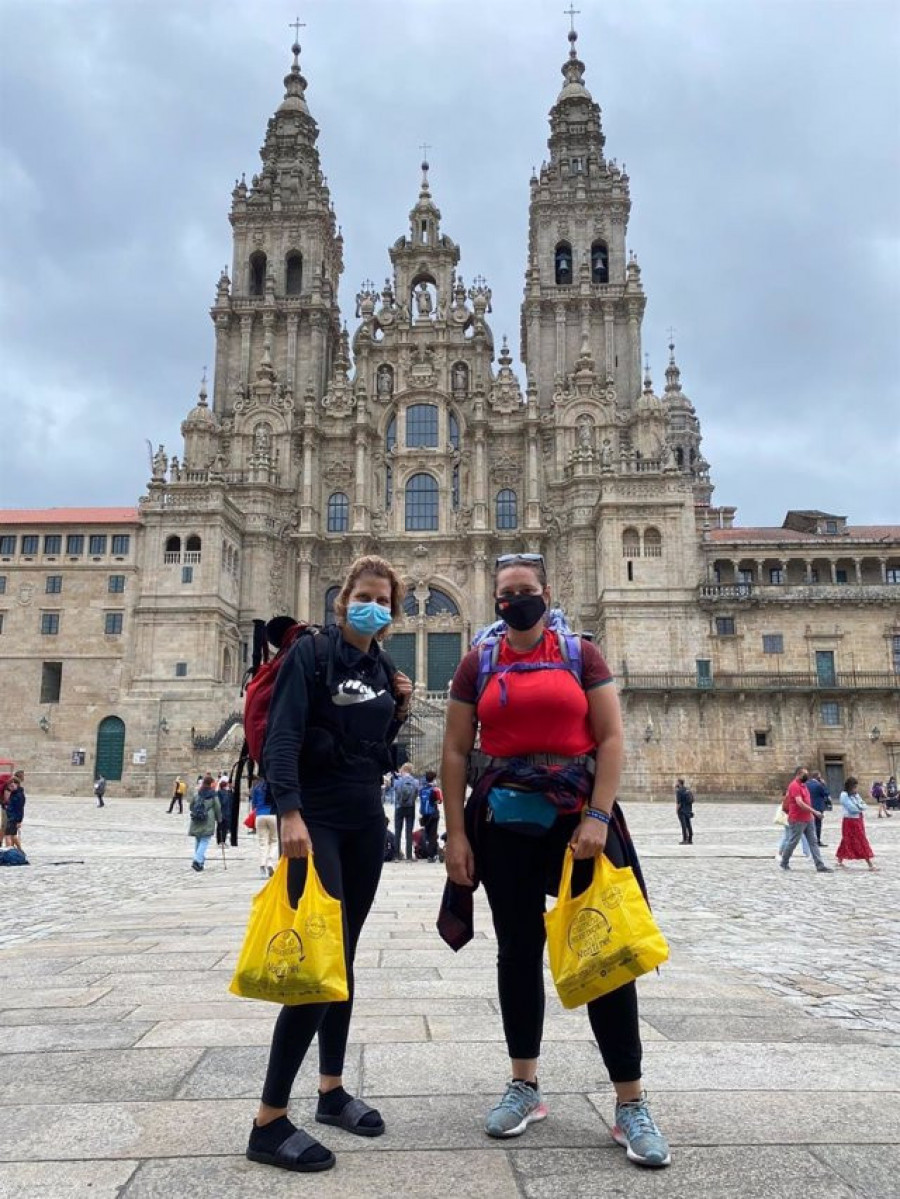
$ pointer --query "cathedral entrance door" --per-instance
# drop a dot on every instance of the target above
(110, 748)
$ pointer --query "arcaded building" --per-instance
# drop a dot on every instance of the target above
(739, 651)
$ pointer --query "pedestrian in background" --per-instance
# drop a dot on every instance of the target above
(205, 815)
(430, 800)
(684, 807)
(226, 801)
(100, 790)
(178, 795)
(854, 846)
(892, 794)
(266, 827)
(801, 815)
(820, 800)
(406, 792)
(877, 793)
(14, 802)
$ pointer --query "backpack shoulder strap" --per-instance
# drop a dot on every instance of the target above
(571, 652)
(488, 656)
(324, 658)
(390, 667)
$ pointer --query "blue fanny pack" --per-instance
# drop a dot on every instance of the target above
(529, 812)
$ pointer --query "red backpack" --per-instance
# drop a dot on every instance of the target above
(258, 687)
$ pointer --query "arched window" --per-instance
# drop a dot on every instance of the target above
(631, 543)
(338, 513)
(679, 456)
(257, 282)
(440, 604)
(293, 274)
(421, 503)
(330, 596)
(390, 436)
(410, 604)
(454, 431)
(173, 544)
(599, 262)
(652, 543)
(563, 262)
(422, 426)
(507, 509)
(192, 548)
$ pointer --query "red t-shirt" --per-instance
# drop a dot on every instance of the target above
(796, 790)
(546, 711)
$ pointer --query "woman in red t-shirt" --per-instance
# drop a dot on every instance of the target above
(532, 707)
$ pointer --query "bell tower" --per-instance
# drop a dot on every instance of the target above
(581, 289)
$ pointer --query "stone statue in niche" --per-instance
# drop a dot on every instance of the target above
(160, 463)
(385, 382)
(585, 432)
(606, 457)
(424, 303)
(261, 440)
(460, 377)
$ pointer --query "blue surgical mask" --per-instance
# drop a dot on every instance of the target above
(369, 618)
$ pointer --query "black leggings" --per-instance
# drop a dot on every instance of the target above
(349, 863)
(517, 872)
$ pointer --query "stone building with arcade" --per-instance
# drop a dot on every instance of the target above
(739, 651)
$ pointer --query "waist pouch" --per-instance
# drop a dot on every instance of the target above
(528, 812)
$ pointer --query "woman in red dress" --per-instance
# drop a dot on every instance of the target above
(854, 846)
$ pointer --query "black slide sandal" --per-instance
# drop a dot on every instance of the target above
(289, 1154)
(349, 1119)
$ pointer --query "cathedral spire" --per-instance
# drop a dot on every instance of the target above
(673, 374)
(294, 84)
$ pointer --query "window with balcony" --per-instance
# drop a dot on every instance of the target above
(112, 623)
(116, 584)
(631, 543)
(121, 543)
(773, 643)
(75, 544)
(7, 546)
(49, 624)
(776, 575)
(840, 576)
(192, 549)
(422, 426)
(745, 576)
(53, 584)
(892, 574)
(725, 626)
(895, 652)
(830, 713)
(652, 543)
(30, 544)
(53, 544)
(172, 552)
(97, 543)
(704, 672)
(421, 503)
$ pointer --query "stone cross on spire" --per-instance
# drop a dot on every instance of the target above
(297, 25)
(572, 12)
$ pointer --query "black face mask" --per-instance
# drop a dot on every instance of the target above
(521, 612)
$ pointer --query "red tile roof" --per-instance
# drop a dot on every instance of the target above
(68, 516)
(853, 533)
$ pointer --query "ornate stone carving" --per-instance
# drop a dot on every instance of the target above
(337, 472)
(506, 471)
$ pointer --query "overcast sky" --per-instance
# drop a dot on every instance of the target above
(761, 141)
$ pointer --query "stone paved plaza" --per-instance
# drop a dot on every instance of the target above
(772, 1038)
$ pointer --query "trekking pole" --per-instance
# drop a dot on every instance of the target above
(224, 863)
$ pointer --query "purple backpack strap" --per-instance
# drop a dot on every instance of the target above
(572, 654)
(488, 653)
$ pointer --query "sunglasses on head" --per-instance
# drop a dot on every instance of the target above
(505, 559)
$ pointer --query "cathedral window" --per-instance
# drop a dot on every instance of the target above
(652, 543)
(440, 604)
(293, 274)
(338, 513)
(599, 262)
(679, 457)
(453, 425)
(422, 426)
(421, 503)
(192, 548)
(507, 509)
(257, 280)
(410, 604)
(172, 551)
(330, 596)
(631, 543)
(563, 262)
(53, 544)
(390, 437)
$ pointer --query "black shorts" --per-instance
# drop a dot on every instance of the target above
(12, 828)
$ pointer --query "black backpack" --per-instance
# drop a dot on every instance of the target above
(198, 809)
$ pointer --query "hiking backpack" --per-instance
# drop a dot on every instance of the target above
(427, 805)
(197, 809)
(489, 656)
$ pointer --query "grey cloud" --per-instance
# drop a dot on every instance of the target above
(760, 140)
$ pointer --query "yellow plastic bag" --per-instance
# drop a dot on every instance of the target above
(604, 937)
(293, 955)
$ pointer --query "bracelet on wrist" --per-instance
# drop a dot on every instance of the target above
(597, 814)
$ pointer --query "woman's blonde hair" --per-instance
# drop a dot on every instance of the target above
(370, 564)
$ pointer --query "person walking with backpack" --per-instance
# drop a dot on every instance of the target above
(876, 792)
(337, 706)
(206, 813)
(684, 807)
(430, 799)
(226, 803)
(178, 794)
(406, 792)
(544, 784)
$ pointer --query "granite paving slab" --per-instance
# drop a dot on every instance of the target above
(872, 1170)
(78, 1180)
(95, 1034)
(238, 1073)
(97, 1075)
(364, 1029)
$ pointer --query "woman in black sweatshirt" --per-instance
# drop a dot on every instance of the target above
(337, 706)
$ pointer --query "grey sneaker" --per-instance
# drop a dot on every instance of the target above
(520, 1106)
(636, 1131)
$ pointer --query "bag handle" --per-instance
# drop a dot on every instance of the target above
(565, 878)
(280, 879)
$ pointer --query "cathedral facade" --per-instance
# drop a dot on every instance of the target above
(738, 651)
